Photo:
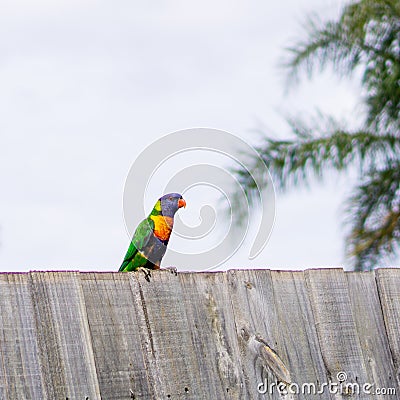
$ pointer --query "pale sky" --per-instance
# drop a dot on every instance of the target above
(86, 86)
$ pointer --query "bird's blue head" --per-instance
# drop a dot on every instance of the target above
(170, 203)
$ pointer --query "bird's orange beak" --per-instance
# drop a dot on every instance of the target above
(181, 203)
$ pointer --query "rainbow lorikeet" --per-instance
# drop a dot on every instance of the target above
(151, 237)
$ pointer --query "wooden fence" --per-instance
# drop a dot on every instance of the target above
(241, 334)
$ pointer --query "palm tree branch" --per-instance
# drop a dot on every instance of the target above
(373, 212)
(291, 161)
(347, 42)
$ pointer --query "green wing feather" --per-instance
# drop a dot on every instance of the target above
(133, 258)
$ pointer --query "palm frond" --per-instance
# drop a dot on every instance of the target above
(324, 43)
(373, 213)
(295, 161)
(366, 31)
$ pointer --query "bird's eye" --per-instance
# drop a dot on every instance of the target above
(170, 198)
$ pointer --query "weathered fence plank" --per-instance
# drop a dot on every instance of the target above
(336, 327)
(297, 333)
(119, 351)
(256, 316)
(20, 372)
(65, 348)
(371, 332)
(212, 326)
(175, 366)
(388, 281)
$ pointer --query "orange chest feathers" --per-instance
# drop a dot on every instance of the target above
(162, 226)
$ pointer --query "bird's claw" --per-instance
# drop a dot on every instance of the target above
(173, 270)
(147, 273)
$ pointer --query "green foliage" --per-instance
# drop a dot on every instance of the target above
(366, 37)
(375, 216)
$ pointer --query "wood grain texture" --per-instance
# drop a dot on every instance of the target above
(21, 376)
(255, 315)
(212, 326)
(65, 348)
(105, 336)
(388, 282)
(371, 332)
(275, 306)
(297, 331)
(336, 325)
(166, 326)
(118, 347)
